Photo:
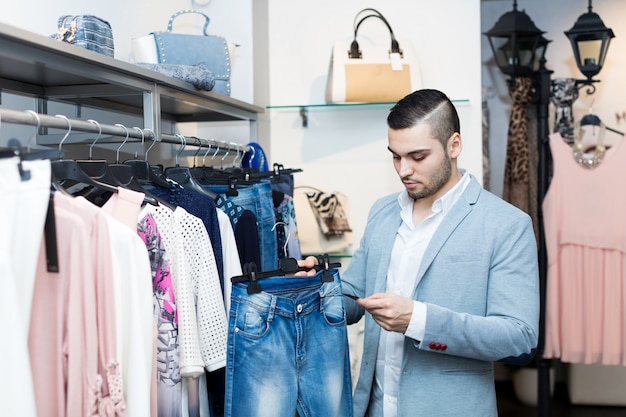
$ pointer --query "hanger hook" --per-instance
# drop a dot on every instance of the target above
(69, 129)
(591, 105)
(225, 155)
(117, 153)
(36, 128)
(95, 122)
(154, 141)
(205, 154)
(197, 152)
(143, 138)
(215, 153)
(238, 149)
(183, 140)
(286, 237)
(252, 151)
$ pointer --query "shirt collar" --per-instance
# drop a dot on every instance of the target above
(442, 204)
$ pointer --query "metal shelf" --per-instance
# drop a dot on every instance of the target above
(37, 66)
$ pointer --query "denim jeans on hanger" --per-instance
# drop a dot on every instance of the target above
(288, 350)
(258, 199)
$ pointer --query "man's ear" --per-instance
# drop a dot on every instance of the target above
(455, 145)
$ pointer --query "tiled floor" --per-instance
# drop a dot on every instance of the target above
(509, 406)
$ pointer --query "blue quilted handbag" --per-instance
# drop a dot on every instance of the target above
(86, 31)
(187, 49)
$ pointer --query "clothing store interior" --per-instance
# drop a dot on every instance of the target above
(152, 198)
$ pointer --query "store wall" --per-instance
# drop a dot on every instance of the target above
(345, 149)
(554, 17)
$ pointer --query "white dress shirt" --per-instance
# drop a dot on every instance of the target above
(407, 253)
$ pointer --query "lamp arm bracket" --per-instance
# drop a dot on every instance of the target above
(591, 88)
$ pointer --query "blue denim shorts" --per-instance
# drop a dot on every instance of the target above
(288, 350)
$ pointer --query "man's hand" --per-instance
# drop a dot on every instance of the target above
(392, 312)
(308, 262)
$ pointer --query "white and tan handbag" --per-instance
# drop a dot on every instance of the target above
(367, 72)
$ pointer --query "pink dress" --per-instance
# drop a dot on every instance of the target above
(585, 229)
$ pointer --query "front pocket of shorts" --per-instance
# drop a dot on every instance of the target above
(252, 324)
(332, 309)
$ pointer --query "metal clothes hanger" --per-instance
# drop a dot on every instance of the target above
(183, 175)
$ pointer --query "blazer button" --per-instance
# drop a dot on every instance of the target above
(433, 345)
(444, 347)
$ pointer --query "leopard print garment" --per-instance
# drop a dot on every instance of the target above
(516, 175)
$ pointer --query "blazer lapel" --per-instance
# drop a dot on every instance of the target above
(458, 212)
(385, 237)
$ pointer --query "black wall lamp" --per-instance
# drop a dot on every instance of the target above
(519, 46)
(590, 40)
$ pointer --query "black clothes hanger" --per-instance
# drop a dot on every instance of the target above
(66, 172)
(143, 174)
(124, 174)
(98, 168)
(141, 168)
(285, 266)
(157, 169)
(591, 119)
(198, 171)
(183, 175)
(278, 170)
(50, 237)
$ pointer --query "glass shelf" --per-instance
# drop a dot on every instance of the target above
(304, 109)
(350, 105)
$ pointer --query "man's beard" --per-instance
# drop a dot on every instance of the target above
(435, 183)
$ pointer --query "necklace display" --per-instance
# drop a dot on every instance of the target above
(591, 125)
(589, 161)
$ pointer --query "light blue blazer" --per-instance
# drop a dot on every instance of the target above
(479, 280)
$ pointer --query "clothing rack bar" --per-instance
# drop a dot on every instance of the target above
(614, 131)
(25, 117)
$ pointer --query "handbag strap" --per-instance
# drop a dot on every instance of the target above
(175, 15)
(67, 34)
(355, 52)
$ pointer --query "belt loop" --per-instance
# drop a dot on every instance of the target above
(270, 315)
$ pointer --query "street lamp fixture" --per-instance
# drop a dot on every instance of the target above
(517, 44)
(590, 40)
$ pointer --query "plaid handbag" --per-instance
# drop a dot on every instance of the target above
(86, 31)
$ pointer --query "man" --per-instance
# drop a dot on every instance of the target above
(448, 274)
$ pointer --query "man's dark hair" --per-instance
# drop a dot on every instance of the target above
(429, 106)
